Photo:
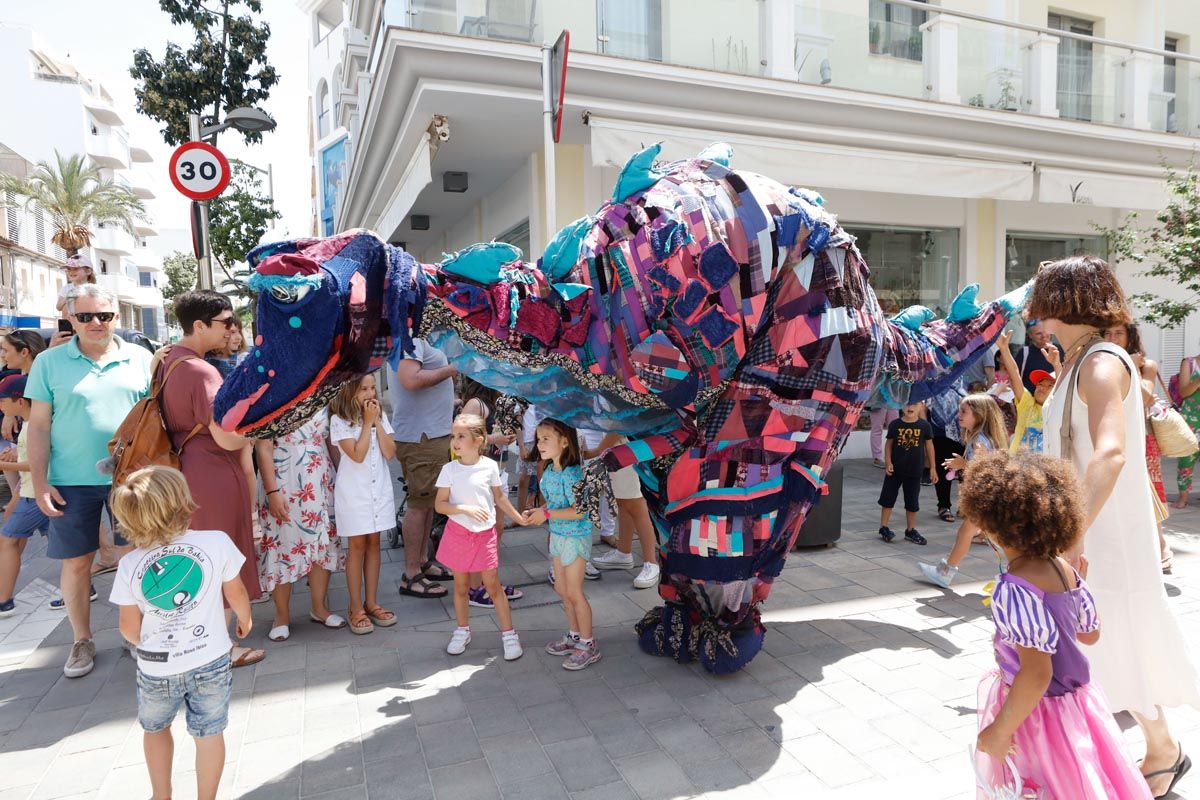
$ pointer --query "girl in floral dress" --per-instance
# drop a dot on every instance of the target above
(294, 512)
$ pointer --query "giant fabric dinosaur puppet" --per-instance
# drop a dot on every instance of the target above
(720, 320)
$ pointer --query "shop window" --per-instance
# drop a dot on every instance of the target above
(1025, 251)
(518, 236)
(910, 266)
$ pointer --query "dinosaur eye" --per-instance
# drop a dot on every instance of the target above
(289, 294)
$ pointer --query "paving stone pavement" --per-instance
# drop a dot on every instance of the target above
(865, 689)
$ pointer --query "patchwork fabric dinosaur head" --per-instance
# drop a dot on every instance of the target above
(329, 310)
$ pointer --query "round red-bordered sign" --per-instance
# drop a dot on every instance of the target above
(199, 170)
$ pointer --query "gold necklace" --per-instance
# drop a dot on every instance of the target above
(1072, 351)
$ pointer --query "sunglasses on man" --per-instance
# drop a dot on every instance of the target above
(228, 322)
(84, 317)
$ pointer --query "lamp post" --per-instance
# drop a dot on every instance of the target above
(269, 172)
(248, 120)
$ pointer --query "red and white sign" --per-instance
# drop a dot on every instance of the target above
(199, 170)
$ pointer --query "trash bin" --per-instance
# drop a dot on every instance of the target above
(824, 523)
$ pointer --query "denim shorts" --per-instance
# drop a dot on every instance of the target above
(204, 691)
(77, 532)
(568, 548)
(26, 520)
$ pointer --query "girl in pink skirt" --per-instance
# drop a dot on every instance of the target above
(1039, 707)
(468, 491)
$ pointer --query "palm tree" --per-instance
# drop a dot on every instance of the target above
(75, 196)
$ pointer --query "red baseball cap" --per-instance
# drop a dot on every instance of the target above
(1039, 375)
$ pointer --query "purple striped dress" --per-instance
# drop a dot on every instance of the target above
(1069, 747)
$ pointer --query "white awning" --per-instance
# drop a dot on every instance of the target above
(821, 166)
(1105, 189)
(417, 175)
(102, 111)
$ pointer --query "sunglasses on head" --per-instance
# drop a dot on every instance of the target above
(84, 317)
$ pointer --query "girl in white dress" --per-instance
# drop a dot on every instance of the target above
(363, 502)
(1141, 661)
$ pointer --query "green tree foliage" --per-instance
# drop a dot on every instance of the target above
(180, 269)
(1169, 250)
(238, 218)
(76, 198)
(225, 68)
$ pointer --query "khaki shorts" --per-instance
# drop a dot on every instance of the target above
(421, 463)
(625, 484)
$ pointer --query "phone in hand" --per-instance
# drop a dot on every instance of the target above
(64, 326)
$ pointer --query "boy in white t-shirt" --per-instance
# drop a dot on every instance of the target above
(170, 590)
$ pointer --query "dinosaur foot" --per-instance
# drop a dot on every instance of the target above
(676, 632)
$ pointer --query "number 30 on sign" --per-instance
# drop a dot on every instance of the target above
(199, 170)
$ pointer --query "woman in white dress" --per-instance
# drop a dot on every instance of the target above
(1141, 660)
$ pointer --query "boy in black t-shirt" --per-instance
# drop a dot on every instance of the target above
(909, 443)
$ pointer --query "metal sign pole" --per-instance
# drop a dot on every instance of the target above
(204, 271)
(548, 148)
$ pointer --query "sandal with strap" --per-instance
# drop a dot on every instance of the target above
(428, 588)
(248, 657)
(946, 515)
(360, 623)
(1181, 767)
(441, 574)
(381, 616)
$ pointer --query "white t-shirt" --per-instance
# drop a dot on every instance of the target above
(177, 588)
(472, 486)
(529, 424)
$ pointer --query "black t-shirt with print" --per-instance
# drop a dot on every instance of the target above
(908, 445)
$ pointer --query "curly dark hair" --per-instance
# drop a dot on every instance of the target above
(1080, 290)
(1028, 502)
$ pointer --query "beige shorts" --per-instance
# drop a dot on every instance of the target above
(625, 484)
(421, 463)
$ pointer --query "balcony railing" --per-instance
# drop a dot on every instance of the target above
(903, 48)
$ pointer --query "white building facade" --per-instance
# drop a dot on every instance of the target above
(65, 112)
(962, 141)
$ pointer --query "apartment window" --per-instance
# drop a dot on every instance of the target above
(1171, 45)
(145, 278)
(103, 267)
(322, 110)
(1025, 251)
(896, 30)
(518, 236)
(1075, 65)
(910, 266)
(630, 28)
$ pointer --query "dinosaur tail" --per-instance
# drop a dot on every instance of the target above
(922, 357)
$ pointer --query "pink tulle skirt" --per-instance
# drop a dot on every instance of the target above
(1070, 747)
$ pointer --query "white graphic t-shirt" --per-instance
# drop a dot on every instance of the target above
(472, 486)
(177, 588)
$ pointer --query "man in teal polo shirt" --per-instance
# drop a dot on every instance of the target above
(81, 392)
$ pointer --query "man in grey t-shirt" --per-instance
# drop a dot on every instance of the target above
(423, 402)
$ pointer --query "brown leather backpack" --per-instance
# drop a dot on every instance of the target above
(142, 439)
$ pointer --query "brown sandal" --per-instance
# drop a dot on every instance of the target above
(247, 658)
(360, 623)
(428, 589)
(381, 616)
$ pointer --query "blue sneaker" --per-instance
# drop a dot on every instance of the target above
(886, 533)
(7, 607)
(58, 604)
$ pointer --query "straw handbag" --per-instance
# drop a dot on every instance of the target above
(1176, 439)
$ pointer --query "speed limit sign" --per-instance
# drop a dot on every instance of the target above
(199, 170)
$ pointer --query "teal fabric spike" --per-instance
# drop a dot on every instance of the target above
(1015, 300)
(563, 250)
(965, 306)
(913, 317)
(569, 291)
(717, 152)
(264, 283)
(638, 174)
(481, 262)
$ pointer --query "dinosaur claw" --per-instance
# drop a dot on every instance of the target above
(913, 317)
(965, 306)
(1015, 300)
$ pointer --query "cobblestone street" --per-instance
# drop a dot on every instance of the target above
(865, 689)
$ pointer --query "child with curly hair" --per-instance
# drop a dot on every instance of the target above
(1039, 707)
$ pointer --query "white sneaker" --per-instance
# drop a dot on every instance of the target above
(941, 575)
(648, 577)
(590, 573)
(614, 559)
(512, 645)
(459, 641)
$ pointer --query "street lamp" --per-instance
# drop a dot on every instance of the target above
(247, 120)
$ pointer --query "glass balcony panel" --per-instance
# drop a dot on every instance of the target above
(992, 66)
(860, 51)
(1089, 79)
